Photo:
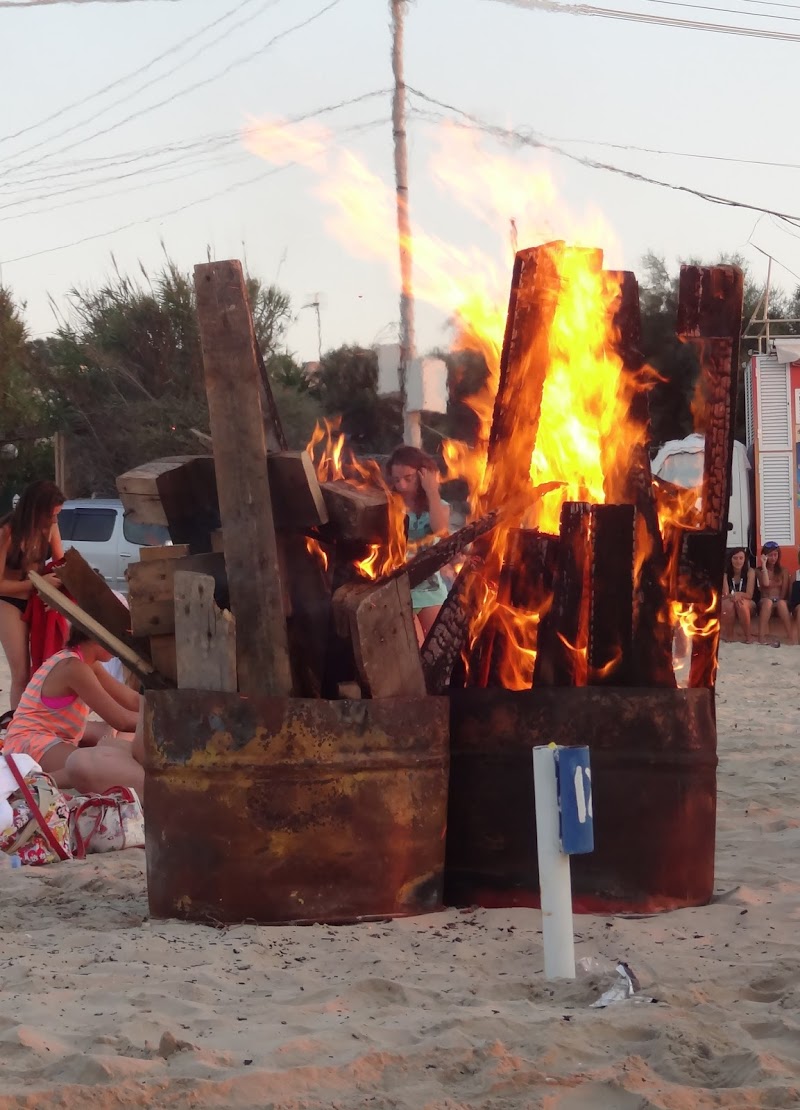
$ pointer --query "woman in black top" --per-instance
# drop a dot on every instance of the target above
(738, 587)
(29, 536)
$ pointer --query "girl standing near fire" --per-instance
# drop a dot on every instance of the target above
(414, 476)
(29, 537)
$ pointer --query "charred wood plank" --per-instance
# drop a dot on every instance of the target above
(710, 317)
(356, 514)
(562, 653)
(448, 635)
(613, 539)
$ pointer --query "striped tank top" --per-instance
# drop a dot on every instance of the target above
(34, 721)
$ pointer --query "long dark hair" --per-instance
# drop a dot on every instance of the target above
(729, 565)
(416, 460)
(30, 522)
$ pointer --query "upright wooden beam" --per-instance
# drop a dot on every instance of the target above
(710, 317)
(240, 453)
(611, 595)
(562, 649)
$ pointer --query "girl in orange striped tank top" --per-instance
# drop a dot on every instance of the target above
(51, 721)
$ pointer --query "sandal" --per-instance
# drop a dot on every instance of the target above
(5, 719)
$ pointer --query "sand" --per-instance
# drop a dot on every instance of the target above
(101, 1007)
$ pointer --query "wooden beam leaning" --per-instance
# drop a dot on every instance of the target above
(141, 667)
(710, 317)
(205, 636)
(240, 454)
(448, 635)
(96, 598)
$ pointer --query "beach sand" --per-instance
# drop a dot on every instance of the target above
(101, 1007)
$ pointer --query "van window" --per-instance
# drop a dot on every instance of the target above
(93, 525)
(66, 521)
(145, 535)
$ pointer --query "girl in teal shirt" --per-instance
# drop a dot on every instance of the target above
(415, 477)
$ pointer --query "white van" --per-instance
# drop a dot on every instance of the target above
(680, 461)
(106, 538)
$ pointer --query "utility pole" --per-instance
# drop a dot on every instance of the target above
(412, 430)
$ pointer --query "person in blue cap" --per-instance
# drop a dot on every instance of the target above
(773, 582)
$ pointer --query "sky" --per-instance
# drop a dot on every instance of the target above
(111, 183)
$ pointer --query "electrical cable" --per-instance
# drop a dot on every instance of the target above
(175, 48)
(363, 127)
(243, 60)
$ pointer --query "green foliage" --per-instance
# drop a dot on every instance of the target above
(346, 385)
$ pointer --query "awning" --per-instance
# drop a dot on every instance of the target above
(787, 348)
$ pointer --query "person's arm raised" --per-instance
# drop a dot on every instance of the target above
(81, 679)
(56, 543)
(438, 510)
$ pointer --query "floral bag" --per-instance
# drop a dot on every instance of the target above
(107, 822)
(39, 832)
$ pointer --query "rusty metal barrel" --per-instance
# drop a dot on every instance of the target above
(284, 810)
(654, 759)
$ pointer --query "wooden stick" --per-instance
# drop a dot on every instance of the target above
(140, 666)
(240, 455)
(205, 636)
(95, 597)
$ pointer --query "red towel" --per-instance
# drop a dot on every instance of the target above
(48, 630)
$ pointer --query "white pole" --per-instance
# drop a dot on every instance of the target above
(554, 871)
(412, 430)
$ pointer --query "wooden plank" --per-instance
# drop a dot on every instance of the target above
(356, 514)
(135, 662)
(524, 363)
(381, 624)
(448, 635)
(179, 491)
(205, 636)
(163, 655)
(170, 551)
(297, 499)
(610, 648)
(96, 598)
(309, 588)
(562, 649)
(240, 454)
(151, 590)
(710, 317)
(217, 541)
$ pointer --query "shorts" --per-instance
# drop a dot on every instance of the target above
(20, 603)
(35, 746)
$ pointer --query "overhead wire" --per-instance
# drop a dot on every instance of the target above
(242, 60)
(520, 137)
(224, 191)
(222, 142)
(174, 49)
(655, 20)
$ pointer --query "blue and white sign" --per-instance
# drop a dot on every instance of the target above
(574, 780)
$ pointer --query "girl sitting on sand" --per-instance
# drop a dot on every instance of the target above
(415, 477)
(773, 582)
(738, 587)
(51, 722)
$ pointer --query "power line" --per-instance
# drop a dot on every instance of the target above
(725, 11)
(229, 188)
(653, 20)
(192, 151)
(175, 48)
(244, 59)
(49, 3)
(524, 138)
(684, 153)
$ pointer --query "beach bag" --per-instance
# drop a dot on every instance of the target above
(107, 822)
(39, 831)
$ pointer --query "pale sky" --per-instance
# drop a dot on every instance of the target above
(568, 77)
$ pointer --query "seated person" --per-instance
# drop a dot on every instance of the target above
(738, 588)
(794, 606)
(51, 722)
(773, 582)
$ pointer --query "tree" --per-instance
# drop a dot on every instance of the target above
(125, 373)
(346, 385)
(676, 362)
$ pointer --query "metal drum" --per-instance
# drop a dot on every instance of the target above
(283, 810)
(653, 758)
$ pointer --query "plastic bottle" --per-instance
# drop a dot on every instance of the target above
(9, 863)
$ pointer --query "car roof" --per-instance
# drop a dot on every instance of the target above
(93, 503)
